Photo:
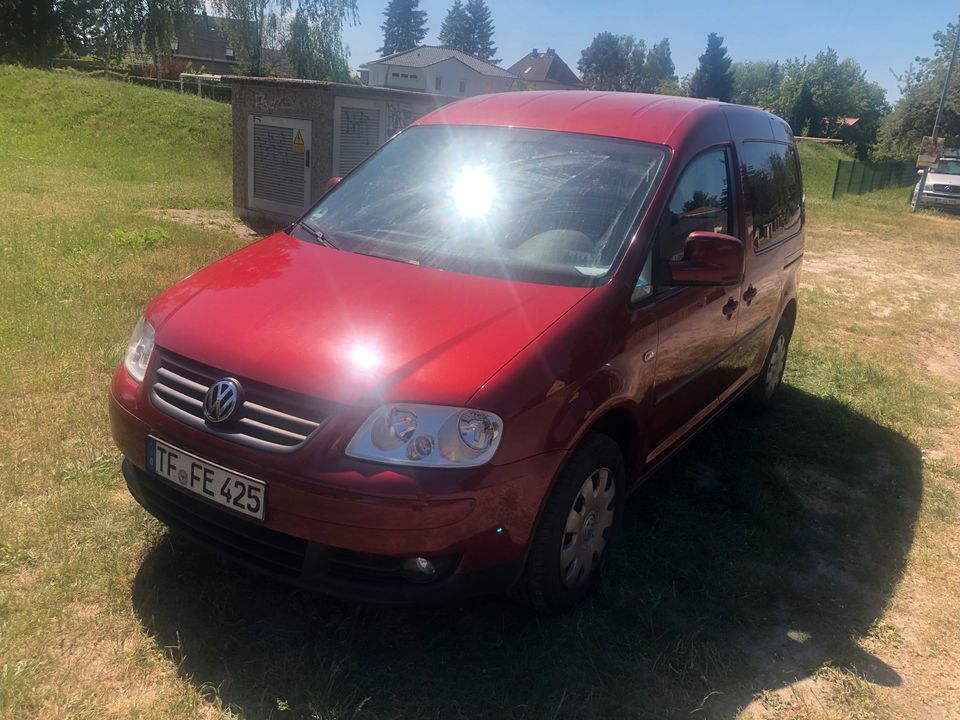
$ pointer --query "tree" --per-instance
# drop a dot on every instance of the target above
(604, 64)
(635, 51)
(914, 114)
(315, 41)
(404, 26)
(713, 78)
(455, 29)
(481, 31)
(622, 62)
(246, 23)
(308, 32)
(35, 31)
(755, 79)
(659, 71)
(160, 20)
(815, 96)
(469, 28)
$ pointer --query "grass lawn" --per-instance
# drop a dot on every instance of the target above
(801, 565)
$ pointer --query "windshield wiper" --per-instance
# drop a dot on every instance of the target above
(385, 256)
(316, 234)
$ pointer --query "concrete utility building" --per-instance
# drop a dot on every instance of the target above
(439, 70)
(291, 136)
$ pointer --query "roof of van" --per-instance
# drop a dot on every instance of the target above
(633, 116)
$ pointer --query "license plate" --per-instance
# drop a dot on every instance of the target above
(213, 482)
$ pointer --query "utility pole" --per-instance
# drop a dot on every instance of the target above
(943, 100)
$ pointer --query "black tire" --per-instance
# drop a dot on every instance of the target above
(543, 585)
(764, 390)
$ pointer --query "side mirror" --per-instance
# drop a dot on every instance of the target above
(331, 184)
(709, 258)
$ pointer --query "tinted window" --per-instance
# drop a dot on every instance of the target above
(701, 201)
(772, 173)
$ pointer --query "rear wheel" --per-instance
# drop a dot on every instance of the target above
(576, 528)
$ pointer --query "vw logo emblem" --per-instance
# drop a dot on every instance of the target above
(222, 401)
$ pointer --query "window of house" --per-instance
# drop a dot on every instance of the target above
(700, 201)
(229, 52)
(463, 86)
(404, 75)
(175, 45)
(772, 179)
(412, 76)
(437, 82)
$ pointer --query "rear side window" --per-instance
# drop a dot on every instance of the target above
(701, 201)
(772, 179)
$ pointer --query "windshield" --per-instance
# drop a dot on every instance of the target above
(531, 204)
(949, 167)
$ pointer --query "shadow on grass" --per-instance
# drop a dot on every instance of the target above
(759, 554)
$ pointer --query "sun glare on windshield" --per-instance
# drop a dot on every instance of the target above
(473, 192)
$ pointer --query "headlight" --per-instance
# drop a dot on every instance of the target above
(139, 350)
(427, 435)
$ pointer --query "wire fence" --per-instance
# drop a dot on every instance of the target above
(856, 177)
(202, 84)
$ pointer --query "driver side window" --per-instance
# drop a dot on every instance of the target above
(701, 201)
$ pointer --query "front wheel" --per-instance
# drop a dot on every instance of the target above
(771, 375)
(576, 528)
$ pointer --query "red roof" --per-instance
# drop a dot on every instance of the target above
(545, 67)
(633, 116)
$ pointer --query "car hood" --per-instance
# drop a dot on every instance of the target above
(941, 179)
(350, 328)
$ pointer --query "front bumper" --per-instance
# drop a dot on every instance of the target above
(928, 199)
(332, 571)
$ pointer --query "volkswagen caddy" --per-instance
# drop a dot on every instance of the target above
(448, 375)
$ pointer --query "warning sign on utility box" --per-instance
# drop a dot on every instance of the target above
(298, 143)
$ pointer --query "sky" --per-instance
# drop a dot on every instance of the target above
(880, 35)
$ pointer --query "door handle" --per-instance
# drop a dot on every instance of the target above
(749, 295)
(729, 308)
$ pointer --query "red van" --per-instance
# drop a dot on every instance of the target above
(447, 377)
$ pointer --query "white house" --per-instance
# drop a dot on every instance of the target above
(438, 70)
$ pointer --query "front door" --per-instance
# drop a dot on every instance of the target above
(697, 325)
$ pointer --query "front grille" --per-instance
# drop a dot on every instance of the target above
(268, 550)
(947, 189)
(269, 419)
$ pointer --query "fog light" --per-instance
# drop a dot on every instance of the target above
(419, 569)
